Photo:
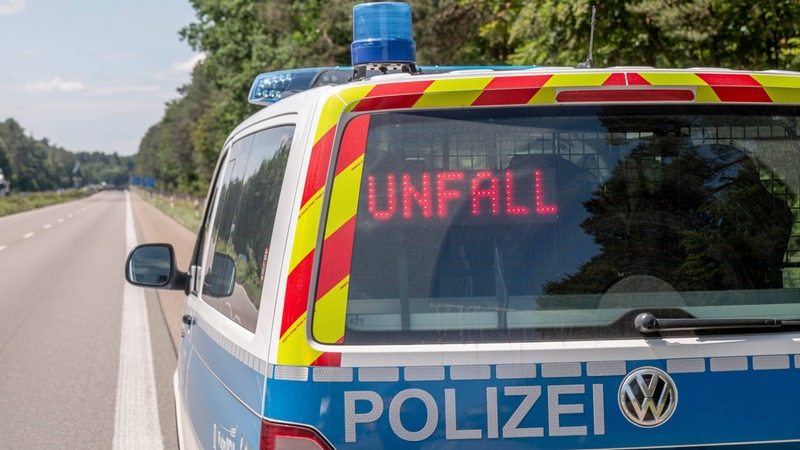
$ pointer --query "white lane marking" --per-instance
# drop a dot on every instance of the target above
(136, 423)
(28, 235)
(61, 220)
(48, 226)
(3, 247)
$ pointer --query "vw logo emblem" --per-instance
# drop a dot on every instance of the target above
(648, 397)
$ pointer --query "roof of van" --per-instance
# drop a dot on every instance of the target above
(547, 85)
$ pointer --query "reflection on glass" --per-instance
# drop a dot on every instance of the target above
(221, 280)
(560, 223)
(151, 265)
(240, 237)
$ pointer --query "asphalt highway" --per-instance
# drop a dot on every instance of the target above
(86, 362)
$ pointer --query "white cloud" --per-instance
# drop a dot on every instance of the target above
(54, 85)
(185, 67)
(8, 7)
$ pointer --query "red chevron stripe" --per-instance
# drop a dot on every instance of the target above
(634, 79)
(296, 298)
(742, 94)
(393, 96)
(616, 79)
(318, 166)
(511, 90)
(728, 79)
(626, 79)
(337, 252)
(354, 143)
(329, 359)
(736, 87)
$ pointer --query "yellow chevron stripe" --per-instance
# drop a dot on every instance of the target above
(705, 94)
(344, 196)
(672, 79)
(457, 92)
(777, 81)
(330, 310)
(329, 313)
(293, 347)
(783, 94)
(546, 95)
(305, 238)
(577, 79)
(308, 219)
(459, 84)
(352, 96)
(780, 88)
(328, 117)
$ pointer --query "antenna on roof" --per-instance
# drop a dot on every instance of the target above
(589, 63)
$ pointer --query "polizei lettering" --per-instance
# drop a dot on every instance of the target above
(562, 406)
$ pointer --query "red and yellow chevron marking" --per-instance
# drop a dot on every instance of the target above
(334, 274)
(495, 90)
(293, 348)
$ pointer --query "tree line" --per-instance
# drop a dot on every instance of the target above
(242, 38)
(35, 165)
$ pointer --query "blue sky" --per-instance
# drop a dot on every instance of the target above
(92, 75)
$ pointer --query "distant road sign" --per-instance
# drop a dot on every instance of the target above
(146, 182)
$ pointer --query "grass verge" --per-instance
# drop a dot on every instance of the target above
(12, 204)
(184, 210)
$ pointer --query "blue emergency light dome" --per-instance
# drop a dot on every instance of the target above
(382, 34)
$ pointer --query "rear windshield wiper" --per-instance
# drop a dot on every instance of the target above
(649, 323)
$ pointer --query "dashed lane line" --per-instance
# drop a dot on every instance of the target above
(46, 226)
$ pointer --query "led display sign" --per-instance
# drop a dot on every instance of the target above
(441, 195)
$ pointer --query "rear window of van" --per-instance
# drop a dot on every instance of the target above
(554, 223)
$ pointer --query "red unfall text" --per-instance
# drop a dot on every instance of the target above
(429, 195)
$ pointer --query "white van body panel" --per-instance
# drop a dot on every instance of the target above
(334, 358)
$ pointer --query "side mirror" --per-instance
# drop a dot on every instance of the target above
(153, 265)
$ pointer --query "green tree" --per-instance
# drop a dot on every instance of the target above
(242, 38)
(182, 149)
(672, 33)
(36, 165)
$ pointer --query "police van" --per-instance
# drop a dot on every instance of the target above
(396, 257)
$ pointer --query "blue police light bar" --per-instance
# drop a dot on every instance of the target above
(271, 87)
(382, 34)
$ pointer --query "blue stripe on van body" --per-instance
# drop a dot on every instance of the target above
(219, 420)
(239, 371)
(224, 391)
(741, 401)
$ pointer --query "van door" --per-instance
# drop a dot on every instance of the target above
(186, 437)
(224, 375)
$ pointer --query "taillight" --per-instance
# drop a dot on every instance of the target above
(279, 436)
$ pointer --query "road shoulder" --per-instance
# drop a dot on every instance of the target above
(154, 226)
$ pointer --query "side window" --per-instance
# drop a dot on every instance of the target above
(238, 247)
